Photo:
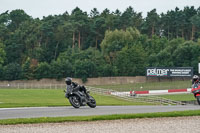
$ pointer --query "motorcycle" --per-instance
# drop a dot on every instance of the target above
(78, 98)
(196, 91)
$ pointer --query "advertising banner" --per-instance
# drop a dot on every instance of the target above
(169, 71)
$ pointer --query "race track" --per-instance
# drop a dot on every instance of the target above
(34, 112)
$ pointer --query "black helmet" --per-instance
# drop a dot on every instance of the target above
(68, 81)
(195, 78)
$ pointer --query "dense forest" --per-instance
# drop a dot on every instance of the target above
(110, 43)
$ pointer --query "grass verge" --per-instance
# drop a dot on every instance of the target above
(95, 118)
(179, 97)
(45, 97)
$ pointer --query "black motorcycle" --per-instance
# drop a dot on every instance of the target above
(78, 98)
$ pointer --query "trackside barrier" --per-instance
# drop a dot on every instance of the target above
(136, 98)
(161, 92)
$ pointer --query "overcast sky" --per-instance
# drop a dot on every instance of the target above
(40, 8)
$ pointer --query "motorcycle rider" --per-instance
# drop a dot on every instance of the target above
(195, 80)
(72, 86)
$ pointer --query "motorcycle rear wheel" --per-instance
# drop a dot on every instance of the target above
(92, 103)
(75, 102)
(198, 99)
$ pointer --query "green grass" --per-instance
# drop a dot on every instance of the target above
(148, 86)
(46, 97)
(180, 97)
(102, 117)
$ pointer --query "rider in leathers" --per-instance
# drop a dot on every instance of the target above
(195, 79)
(72, 86)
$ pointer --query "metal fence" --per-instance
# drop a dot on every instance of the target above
(33, 86)
(137, 98)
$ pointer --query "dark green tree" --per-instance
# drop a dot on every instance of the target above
(131, 61)
(79, 20)
(42, 71)
(12, 71)
(151, 24)
(16, 18)
(130, 18)
(26, 69)
(2, 53)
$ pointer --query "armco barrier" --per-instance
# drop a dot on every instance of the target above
(154, 92)
(135, 98)
(188, 90)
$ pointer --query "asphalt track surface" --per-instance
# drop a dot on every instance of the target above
(35, 112)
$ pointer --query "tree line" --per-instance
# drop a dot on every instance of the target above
(110, 43)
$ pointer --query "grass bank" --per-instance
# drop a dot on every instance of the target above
(180, 97)
(102, 117)
(46, 97)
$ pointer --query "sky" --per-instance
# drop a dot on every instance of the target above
(40, 8)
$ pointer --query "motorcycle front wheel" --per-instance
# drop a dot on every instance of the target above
(75, 102)
(92, 102)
